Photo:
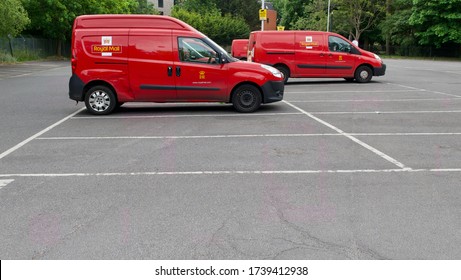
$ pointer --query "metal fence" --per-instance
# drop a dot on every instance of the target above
(42, 47)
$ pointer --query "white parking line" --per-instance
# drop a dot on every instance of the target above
(363, 144)
(11, 150)
(386, 112)
(5, 182)
(354, 91)
(373, 100)
(420, 89)
(232, 172)
(187, 116)
(239, 136)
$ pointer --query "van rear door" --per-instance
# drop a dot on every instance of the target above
(310, 54)
(151, 65)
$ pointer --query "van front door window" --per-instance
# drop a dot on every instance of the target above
(196, 51)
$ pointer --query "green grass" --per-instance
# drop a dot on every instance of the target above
(6, 58)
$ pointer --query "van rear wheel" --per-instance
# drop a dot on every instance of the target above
(100, 100)
(246, 99)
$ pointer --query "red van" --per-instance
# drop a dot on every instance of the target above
(314, 54)
(239, 49)
(126, 58)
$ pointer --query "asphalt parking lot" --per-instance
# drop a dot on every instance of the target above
(337, 170)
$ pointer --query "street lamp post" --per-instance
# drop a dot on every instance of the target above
(328, 16)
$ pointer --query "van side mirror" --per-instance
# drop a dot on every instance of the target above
(222, 58)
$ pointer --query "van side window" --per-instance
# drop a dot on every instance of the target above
(336, 44)
(196, 51)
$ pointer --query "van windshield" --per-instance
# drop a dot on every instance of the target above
(219, 49)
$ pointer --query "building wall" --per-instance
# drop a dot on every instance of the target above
(271, 22)
(167, 6)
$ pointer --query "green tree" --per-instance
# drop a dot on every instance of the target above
(314, 16)
(438, 21)
(13, 18)
(54, 18)
(291, 12)
(353, 17)
(222, 29)
(248, 9)
(395, 27)
(145, 7)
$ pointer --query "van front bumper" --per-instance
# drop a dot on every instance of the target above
(273, 91)
(380, 71)
(76, 88)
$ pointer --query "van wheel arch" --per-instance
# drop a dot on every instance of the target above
(362, 69)
(102, 90)
(250, 88)
(285, 70)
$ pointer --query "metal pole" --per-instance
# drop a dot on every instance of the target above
(262, 21)
(328, 17)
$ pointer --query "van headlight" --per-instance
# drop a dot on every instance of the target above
(377, 57)
(274, 71)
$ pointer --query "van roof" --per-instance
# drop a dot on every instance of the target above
(130, 21)
(292, 31)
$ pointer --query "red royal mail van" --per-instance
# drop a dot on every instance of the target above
(314, 54)
(125, 58)
(239, 48)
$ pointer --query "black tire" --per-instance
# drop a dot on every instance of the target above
(100, 100)
(246, 99)
(363, 74)
(350, 80)
(285, 71)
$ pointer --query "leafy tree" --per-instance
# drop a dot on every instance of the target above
(395, 27)
(354, 17)
(222, 29)
(291, 11)
(54, 18)
(248, 9)
(438, 21)
(314, 16)
(13, 18)
(145, 7)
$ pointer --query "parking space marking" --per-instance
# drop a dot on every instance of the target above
(5, 182)
(186, 116)
(387, 112)
(18, 146)
(240, 136)
(361, 143)
(356, 91)
(374, 100)
(421, 89)
(234, 172)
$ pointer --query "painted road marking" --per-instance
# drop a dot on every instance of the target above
(234, 172)
(18, 146)
(421, 89)
(5, 182)
(386, 112)
(242, 136)
(361, 143)
(356, 91)
(374, 100)
(188, 116)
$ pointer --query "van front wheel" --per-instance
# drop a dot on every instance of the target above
(100, 100)
(246, 99)
(285, 71)
(363, 74)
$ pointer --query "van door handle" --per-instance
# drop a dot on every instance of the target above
(170, 71)
(322, 54)
(178, 71)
